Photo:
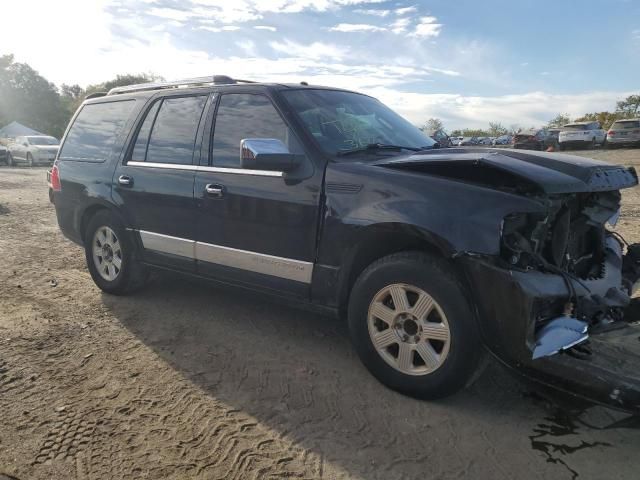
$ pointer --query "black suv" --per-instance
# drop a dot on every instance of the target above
(327, 198)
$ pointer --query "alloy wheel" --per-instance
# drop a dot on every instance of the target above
(107, 253)
(409, 329)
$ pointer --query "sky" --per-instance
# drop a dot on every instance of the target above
(465, 62)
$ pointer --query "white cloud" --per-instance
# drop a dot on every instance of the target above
(311, 51)
(356, 27)
(265, 27)
(171, 13)
(400, 25)
(248, 47)
(405, 10)
(234, 11)
(545, 73)
(373, 11)
(635, 34)
(427, 27)
(527, 110)
(524, 64)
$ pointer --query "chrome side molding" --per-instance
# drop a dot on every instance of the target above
(287, 268)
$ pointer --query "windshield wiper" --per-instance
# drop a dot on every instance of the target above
(372, 147)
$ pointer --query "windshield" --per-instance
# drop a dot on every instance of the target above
(343, 121)
(577, 126)
(43, 141)
(626, 124)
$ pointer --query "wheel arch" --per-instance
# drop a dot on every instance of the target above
(380, 240)
(89, 212)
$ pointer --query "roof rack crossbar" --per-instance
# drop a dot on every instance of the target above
(187, 82)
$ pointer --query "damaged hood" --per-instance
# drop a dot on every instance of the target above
(520, 171)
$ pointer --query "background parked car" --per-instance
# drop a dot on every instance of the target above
(468, 141)
(533, 139)
(485, 141)
(455, 141)
(555, 134)
(502, 140)
(581, 134)
(624, 132)
(441, 137)
(33, 150)
(3, 154)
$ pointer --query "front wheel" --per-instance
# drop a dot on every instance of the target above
(111, 256)
(592, 143)
(9, 159)
(412, 326)
(29, 160)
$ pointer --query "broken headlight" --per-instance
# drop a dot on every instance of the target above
(522, 238)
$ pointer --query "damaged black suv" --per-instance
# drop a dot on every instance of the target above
(328, 199)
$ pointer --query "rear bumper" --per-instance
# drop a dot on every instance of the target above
(623, 140)
(511, 305)
(528, 145)
(575, 141)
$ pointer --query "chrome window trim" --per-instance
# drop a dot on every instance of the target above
(287, 268)
(200, 168)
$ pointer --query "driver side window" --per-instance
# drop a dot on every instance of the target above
(245, 115)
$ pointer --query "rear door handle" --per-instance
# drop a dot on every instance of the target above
(214, 190)
(125, 180)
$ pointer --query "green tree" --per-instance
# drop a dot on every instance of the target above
(629, 107)
(432, 125)
(559, 120)
(123, 81)
(28, 98)
(605, 118)
(496, 129)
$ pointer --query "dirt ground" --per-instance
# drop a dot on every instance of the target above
(186, 380)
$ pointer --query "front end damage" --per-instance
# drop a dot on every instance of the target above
(555, 303)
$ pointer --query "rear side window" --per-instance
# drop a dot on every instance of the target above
(95, 130)
(140, 148)
(168, 133)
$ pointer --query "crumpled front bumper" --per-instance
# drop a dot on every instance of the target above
(605, 369)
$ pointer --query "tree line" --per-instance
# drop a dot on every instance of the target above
(30, 99)
(626, 108)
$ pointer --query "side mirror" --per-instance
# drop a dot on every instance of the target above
(267, 154)
(25, 144)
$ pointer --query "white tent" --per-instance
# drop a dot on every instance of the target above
(15, 129)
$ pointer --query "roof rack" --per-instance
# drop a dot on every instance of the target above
(95, 95)
(187, 82)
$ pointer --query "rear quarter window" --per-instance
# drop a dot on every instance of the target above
(95, 130)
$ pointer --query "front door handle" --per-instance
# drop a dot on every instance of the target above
(214, 190)
(125, 180)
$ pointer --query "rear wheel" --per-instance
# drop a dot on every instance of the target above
(111, 256)
(592, 143)
(412, 326)
(29, 160)
(9, 159)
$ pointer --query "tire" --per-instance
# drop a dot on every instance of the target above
(418, 373)
(117, 269)
(592, 143)
(9, 159)
(29, 160)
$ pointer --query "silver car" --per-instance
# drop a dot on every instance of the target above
(33, 150)
(624, 132)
